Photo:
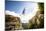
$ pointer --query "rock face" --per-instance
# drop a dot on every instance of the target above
(12, 23)
(37, 21)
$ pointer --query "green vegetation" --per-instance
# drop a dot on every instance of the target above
(41, 7)
(38, 20)
(12, 22)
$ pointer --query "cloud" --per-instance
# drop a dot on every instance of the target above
(11, 13)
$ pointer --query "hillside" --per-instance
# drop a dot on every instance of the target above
(12, 22)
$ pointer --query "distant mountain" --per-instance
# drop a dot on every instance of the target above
(25, 17)
(25, 25)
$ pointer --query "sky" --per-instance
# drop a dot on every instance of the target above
(18, 7)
